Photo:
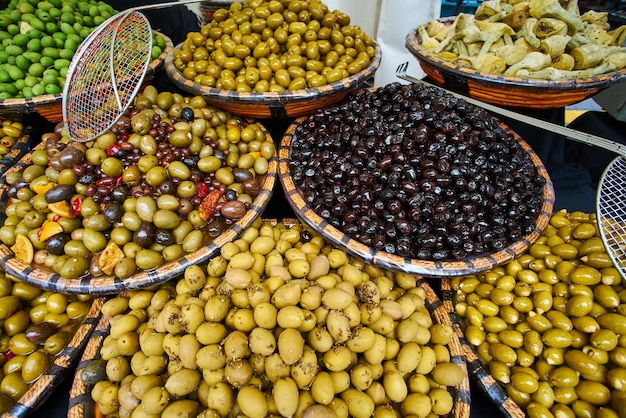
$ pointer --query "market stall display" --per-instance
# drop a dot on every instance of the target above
(536, 56)
(44, 335)
(412, 179)
(267, 60)
(260, 340)
(128, 212)
(548, 327)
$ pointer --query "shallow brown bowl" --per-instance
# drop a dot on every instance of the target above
(61, 368)
(420, 267)
(103, 285)
(506, 90)
(292, 103)
(50, 106)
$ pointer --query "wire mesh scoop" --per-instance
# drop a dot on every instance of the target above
(611, 208)
(106, 74)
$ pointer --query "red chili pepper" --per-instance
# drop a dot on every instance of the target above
(76, 204)
(208, 205)
(202, 190)
(7, 355)
(56, 218)
(113, 149)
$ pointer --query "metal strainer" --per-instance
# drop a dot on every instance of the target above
(611, 208)
(105, 75)
(107, 72)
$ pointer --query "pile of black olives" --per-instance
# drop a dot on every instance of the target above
(415, 172)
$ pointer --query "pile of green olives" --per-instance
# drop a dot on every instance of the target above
(280, 324)
(273, 46)
(169, 176)
(36, 327)
(551, 325)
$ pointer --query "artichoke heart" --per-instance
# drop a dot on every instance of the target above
(489, 63)
(563, 62)
(512, 53)
(553, 8)
(554, 45)
(549, 26)
(533, 61)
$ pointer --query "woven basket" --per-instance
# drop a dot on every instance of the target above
(81, 405)
(19, 149)
(103, 285)
(62, 366)
(426, 268)
(50, 106)
(507, 90)
(274, 105)
(476, 368)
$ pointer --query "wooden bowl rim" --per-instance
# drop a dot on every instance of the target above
(104, 285)
(18, 150)
(46, 99)
(599, 81)
(423, 268)
(254, 98)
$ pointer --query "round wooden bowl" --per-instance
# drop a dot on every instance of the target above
(103, 285)
(420, 267)
(62, 367)
(50, 106)
(21, 147)
(507, 90)
(288, 104)
(81, 405)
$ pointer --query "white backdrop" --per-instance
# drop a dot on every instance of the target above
(389, 21)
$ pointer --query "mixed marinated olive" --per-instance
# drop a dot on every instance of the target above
(36, 327)
(274, 46)
(171, 174)
(280, 324)
(551, 325)
(10, 133)
(415, 172)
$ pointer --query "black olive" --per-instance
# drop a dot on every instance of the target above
(113, 211)
(187, 114)
(56, 243)
(144, 235)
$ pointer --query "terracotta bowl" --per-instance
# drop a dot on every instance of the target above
(507, 90)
